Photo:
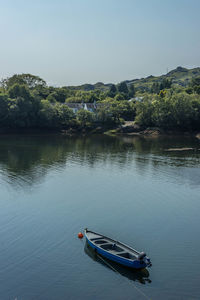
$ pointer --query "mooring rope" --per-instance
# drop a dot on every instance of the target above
(139, 290)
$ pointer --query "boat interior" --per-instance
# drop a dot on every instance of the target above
(113, 247)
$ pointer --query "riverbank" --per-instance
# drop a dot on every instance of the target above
(128, 129)
(152, 132)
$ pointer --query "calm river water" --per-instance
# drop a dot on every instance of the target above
(128, 188)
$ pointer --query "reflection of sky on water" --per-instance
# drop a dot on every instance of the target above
(25, 161)
(128, 188)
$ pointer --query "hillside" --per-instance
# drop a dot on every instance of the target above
(179, 76)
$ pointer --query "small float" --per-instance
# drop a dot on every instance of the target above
(117, 251)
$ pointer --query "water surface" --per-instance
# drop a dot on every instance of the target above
(131, 189)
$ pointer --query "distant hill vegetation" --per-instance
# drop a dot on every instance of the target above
(179, 77)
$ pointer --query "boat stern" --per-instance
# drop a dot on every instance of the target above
(144, 260)
(147, 261)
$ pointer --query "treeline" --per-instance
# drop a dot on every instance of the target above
(170, 110)
(27, 102)
(172, 107)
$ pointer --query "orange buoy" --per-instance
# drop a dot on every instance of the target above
(80, 235)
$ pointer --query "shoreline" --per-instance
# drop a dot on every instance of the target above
(149, 132)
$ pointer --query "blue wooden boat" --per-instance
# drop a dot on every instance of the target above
(139, 275)
(117, 251)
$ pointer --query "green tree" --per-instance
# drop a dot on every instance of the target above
(85, 117)
(155, 88)
(173, 111)
(31, 81)
(59, 94)
(4, 109)
(194, 86)
(116, 110)
(120, 97)
(144, 112)
(64, 116)
(122, 88)
(103, 116)
(46, 114)
(18, 90)
(23, 107)
(112, 91)
(131, 90)
(197, 89)
(55, 115)
(23, 113)
(42, 91)
(195, 81)
(158, 86)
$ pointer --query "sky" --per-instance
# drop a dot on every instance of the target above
(71, 42)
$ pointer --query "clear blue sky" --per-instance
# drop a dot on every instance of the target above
(84, 41)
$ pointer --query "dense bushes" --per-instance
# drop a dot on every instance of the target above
(171, 111)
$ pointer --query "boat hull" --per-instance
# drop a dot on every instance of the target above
(123, 261)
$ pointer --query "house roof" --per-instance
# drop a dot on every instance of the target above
(75, 105)
(82, 105)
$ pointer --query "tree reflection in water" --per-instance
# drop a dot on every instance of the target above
(25, 160)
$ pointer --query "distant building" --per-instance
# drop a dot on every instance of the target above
(136, 99)
(92, 107)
